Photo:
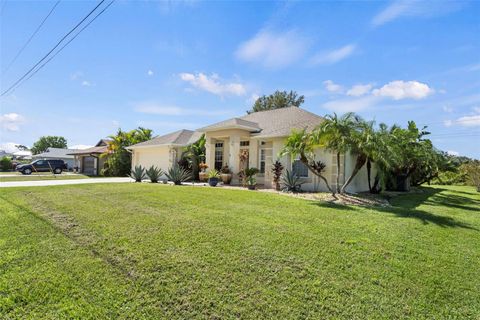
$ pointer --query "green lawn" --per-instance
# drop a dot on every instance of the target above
(125, 251)
(42, 176)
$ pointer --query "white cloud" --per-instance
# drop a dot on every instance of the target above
(332, 86)
(334, 56)
(273, 50)
(150, 72)
(468, 121)
(400, 89)
(453, 153)
(476, 109)
(213, 84)
(414, 8)
(80, 146)
(359, 90)
(9, 147)
(86, 83)
(151, 107)
(11, 121)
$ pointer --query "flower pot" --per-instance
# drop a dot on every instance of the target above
(213, 182)
(203, 176)
(226, 178)
(251, 187)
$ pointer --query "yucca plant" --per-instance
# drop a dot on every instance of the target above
(178, 175)
(291, 182)
(154, 174)
(138, 173)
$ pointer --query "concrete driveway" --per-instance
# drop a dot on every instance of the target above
(44, 183)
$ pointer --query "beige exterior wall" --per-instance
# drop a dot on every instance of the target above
(162, 157)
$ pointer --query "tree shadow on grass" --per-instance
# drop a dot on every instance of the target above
(405, 206)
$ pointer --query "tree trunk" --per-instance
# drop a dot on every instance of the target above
(304, 159)
(369, 172)
(338, 173)
(361, 159)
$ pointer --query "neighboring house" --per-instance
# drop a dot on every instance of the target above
(58, 154)
(90, 161)
(22, 155)
(164, 151)
(4, 153)
(253, 140)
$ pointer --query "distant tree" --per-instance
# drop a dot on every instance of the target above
(46, 142)
(277, 100)
(21, 147)
(473, 173)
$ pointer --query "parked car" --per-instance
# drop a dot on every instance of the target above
(55, 166)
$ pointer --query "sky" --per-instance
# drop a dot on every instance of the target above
(170, 65)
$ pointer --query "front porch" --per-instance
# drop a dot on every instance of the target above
(238, 150)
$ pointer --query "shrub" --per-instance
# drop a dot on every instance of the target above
(213, 174)
(225, 169)
(6, 164)
(291, 182)
(154, 174)
(178, 175)
(277, 170)
(138, 173)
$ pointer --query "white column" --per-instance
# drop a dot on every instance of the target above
(253, 154)
(210, 152)
(234, 156)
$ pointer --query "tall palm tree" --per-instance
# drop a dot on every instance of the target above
(336, 134)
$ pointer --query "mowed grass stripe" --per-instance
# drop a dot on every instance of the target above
(213, 253)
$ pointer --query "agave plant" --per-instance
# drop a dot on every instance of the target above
(291, 182)
(178, 175)
(138, 173)
(154, 174)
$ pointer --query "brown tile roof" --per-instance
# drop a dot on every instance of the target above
(92, 150)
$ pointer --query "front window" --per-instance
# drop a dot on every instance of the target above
(262, 160)
(218, 155)
(299, 168)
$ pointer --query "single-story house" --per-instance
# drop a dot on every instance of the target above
(90, 161)
(58, 154)
(253, 140)
(164, 151)
(22, 155)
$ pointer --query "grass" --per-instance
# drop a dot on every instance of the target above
(154, 251)
(42, 176)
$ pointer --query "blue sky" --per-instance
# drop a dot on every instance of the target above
(185, 64)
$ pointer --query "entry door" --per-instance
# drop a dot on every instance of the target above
(88, 165)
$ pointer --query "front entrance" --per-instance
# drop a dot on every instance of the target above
(88, 166)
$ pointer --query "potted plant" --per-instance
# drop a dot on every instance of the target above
(213, 177)
(251, 183)
(277, 170)
(202, 175)
(226, 174)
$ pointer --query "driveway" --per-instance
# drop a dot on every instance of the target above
(45, 183)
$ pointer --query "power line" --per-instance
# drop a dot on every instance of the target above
(31, 37)
(56, 45)
(66, 44)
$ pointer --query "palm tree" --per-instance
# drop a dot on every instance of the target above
(302, 144)
(337, 134)
(195, 154)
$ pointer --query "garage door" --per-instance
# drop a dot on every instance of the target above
(88, 165)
